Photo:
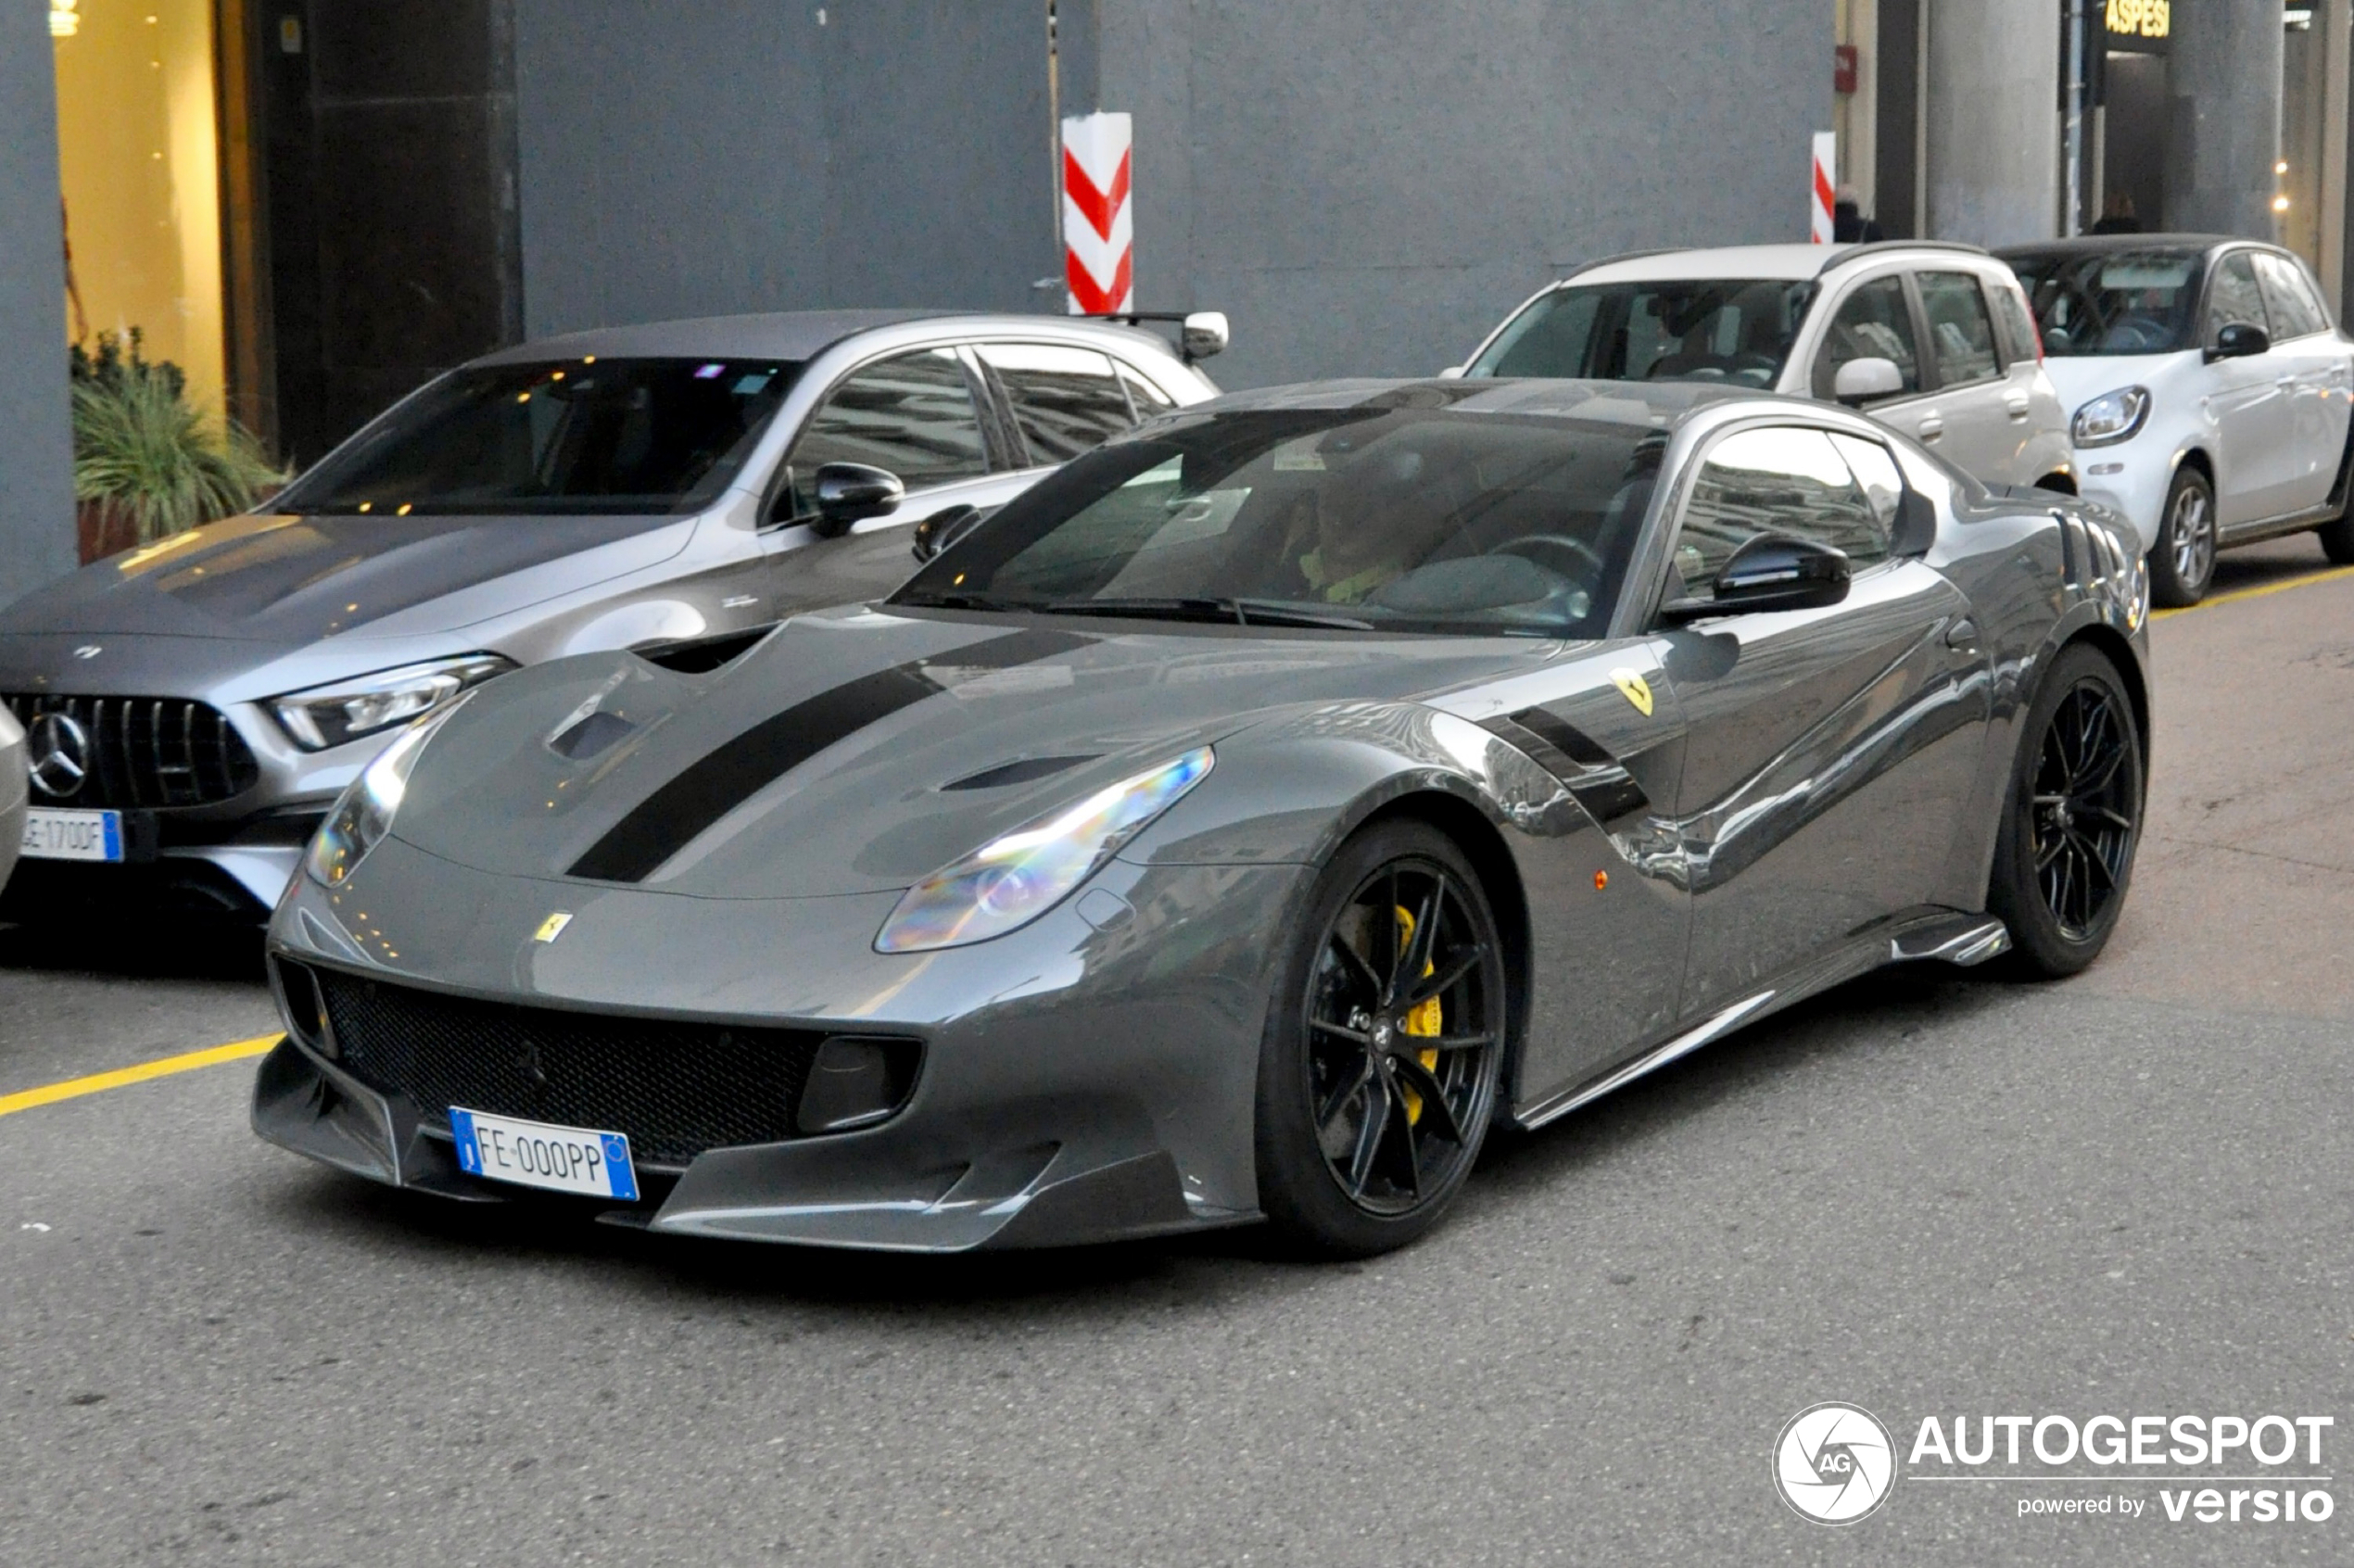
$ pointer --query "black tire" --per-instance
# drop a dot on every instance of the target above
(1335, 1181)
(2071, 818)
(2182, 556)
(2337, 540)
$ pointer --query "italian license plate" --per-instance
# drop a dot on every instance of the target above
(51, 834)
(533, 1154)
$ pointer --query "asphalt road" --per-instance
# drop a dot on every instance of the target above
(1928, 1195)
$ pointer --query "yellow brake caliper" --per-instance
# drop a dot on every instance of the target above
(1424, 1022)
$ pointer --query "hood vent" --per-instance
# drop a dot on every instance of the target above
(599, 733)
(1022, 772)
(701, 655)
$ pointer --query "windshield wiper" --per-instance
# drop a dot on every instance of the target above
(956, 601)
(1242, 612)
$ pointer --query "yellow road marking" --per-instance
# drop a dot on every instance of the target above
(74, 1088)
(2258, 593)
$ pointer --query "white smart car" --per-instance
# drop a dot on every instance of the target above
(2209, 391)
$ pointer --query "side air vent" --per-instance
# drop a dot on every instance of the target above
(701, 655)
(1022, 772)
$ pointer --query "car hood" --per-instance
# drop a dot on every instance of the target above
(858, 750)
(286, 581)
(2080, 378)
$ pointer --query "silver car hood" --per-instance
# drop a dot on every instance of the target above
(872, 716)
(283, 582)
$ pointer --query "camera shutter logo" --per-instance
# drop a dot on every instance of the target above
(58, 752)
(1834, 1464)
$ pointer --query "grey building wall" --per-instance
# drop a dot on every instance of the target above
(745, 155)
(1994, 120)
(36, 443)
(1366, 186)
(2224, 76)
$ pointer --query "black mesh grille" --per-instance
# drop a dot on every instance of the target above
(141, 752)
(676, 1087)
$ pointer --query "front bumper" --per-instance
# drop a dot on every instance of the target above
(1077, 1084)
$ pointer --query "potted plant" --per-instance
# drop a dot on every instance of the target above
(147, 463)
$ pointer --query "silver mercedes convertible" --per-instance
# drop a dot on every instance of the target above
(1233, 830)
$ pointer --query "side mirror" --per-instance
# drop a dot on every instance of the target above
(1771, 572)
(941, 529)
(1453, 373)
(1860, 380)
(2238, 340)
(852, 492)
(1204, 334)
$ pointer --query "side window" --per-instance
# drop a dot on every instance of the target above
(1872, 322)
(2019, 341)
(1779, 479)
(2288, 300)
(912, 415)
(1067, 401)
(1143, 396)
(2233, 295)
(1961, 334)
(1883, 482)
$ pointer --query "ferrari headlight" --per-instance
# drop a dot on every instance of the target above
(2112, 417)
(1010, 881)
(365, 814)
(329, 716)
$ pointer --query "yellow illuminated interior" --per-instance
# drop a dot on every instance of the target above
(139, 156)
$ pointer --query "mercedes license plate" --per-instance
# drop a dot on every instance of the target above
(51, 834)
(533, 1154)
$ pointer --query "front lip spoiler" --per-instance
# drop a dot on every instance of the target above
(1048, 1174)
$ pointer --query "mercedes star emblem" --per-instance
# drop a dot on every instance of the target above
(58, 749)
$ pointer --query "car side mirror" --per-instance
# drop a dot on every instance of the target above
(1204, 334)
(1453, 373)
(941, 529)
(852, 492)
(2238, 340)
(1862, 380)
(1771, 572)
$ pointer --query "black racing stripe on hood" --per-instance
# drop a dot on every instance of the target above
(670, 818)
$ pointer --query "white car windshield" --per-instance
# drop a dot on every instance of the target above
(1736, 330)
(2142, 301)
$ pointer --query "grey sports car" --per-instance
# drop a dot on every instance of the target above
(197, 706)
(1232, 830)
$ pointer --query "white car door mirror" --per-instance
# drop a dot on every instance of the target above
(1205, 333)
(1860, 380)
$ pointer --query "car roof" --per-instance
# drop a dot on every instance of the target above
(1794, 263)
(2103, 245)
(794, 335)
(1645, 404)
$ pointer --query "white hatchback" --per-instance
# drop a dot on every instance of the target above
(1926, 338)
(2208, 390)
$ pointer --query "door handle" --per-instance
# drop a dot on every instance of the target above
(1931, 428)
(2017, 407)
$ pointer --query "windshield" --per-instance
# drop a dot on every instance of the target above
(2121, 302)
(1731, 330)
(568, 435)
(1363, 518)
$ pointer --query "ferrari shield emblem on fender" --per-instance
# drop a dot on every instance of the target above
(1635, 689)
(552, 927)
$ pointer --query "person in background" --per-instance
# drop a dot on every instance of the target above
(1849, 226)
(2116, 216)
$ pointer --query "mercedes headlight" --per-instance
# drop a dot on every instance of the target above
(363, 816)
(329, 716)
(2112, 417)
(1013, 880)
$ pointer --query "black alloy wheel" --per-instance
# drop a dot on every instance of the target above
(2064, 855)
(1383, 1056)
